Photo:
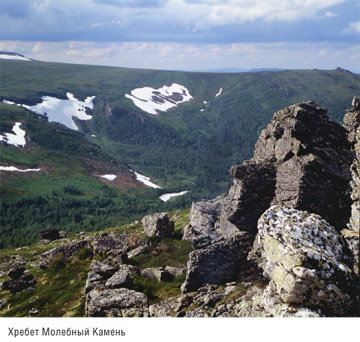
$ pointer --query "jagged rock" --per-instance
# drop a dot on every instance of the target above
(158, 225)
(306, 261)
(66, 252)
(98, 275)
(110, 242)
(50, 233)
(203, 227)
(116, 303)
(159, 273)
(312, 158)
(219, 262)
(123, 277)
(19, 284)
(12, 261)
(352, 124)
(250, 196)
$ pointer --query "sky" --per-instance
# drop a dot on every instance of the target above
(186, 34)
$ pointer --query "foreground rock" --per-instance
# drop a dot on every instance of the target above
(218, 263)
(306, 261)
(116, 303)
(352, 124)
(158, 225)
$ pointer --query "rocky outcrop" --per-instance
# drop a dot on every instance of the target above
(306, 261)
(116, 303)
(158, 225)
(300, 161)
(98, 275)
(65, 252)
(19, 281)
(351, 234)
(123, 277)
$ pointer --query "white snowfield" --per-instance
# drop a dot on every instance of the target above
(219, 92)
(166, 197)
(151, 100)
(109, 177)
(14, 57)
(17, 139)
(15, 169)
(62, 111)
(145, 180)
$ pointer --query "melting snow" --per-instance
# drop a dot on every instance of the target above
(151, 100)
(219, 92)
(13, 168)
(109, 177)
(17, 139)
(14, 57)
(62, 111)
(146, 180)
(166, 197)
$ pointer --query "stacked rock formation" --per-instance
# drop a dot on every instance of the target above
(301, 171)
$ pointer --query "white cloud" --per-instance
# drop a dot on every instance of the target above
(182, 56)
(208, 13)
(353, 28)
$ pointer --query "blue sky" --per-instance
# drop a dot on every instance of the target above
(186, 34)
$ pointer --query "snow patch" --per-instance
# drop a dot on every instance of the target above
(201, 110)
(219, 92)
(62, 111)
(14, 57)
(17, 139)
(109, 177)
(145, 180)
(151, 100)
(15, 169)
(166, 197)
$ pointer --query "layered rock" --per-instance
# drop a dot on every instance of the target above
(352, 124)
(306, 261)
(158, 225)
(300, 161)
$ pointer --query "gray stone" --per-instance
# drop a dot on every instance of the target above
(123, 277)
(158, 225)
(158, 273)
(115, 303)
(66, 252)
(306, 260)
(219, 262)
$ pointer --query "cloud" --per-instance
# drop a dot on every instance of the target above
(132, 3)
(353, 28)
(184, 56)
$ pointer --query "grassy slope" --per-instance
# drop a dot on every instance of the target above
(60, 290)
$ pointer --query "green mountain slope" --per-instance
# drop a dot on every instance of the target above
(190, 147)
(65, 188)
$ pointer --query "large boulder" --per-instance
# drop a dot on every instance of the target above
(158, 273)
(98, 275)
(123, 277)
(306, 260)
(50, 233)
(116, 303)
(65, 252)
(218, 263)
(158, 225)
(19, 280)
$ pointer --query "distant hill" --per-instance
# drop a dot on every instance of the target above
(183, 129)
